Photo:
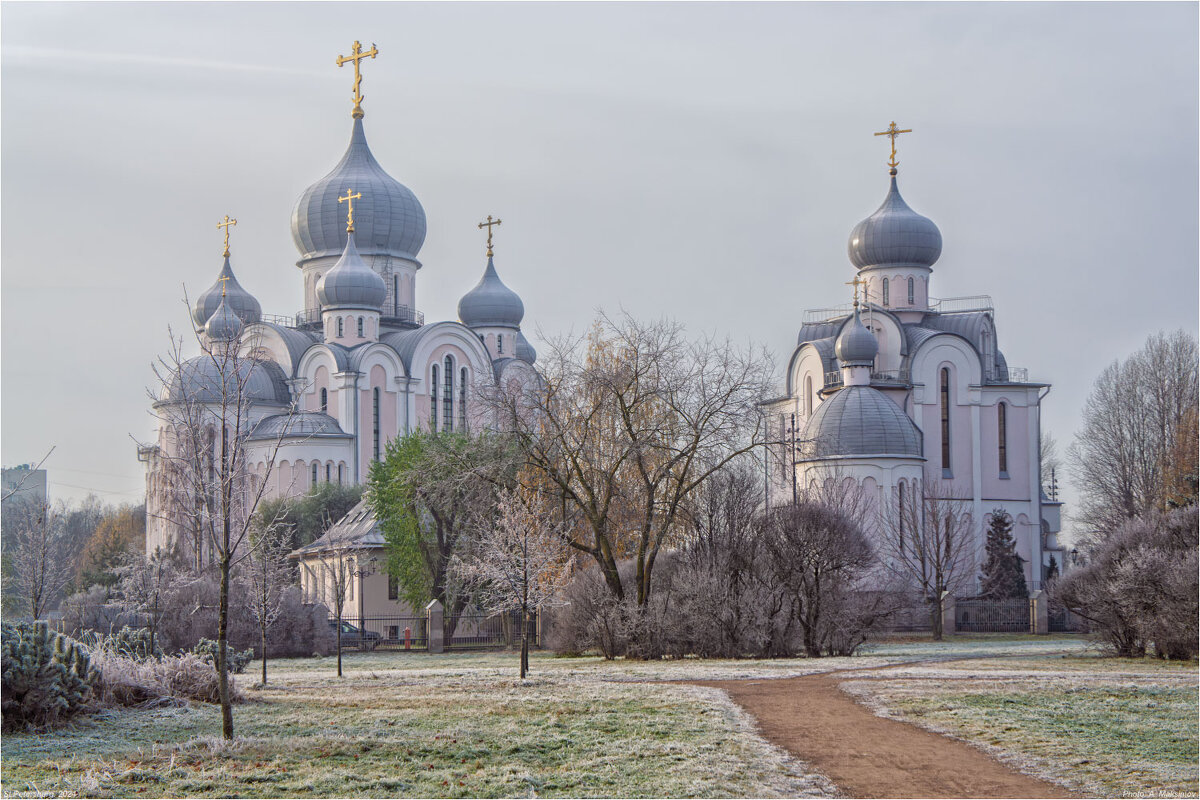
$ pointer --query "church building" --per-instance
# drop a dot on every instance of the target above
(908, 395)
(359, 363)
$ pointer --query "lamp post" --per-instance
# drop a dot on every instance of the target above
(1074, 556)
(362, 571)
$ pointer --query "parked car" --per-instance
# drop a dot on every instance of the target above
(353, 636)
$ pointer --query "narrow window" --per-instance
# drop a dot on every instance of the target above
(1002, 432)
(329, 473)
(808, 395)
(396, 295)
(900, 517)
(499, 343)
(462, 400)
(324, 401)
(911, 293)
(482, 340)
(340, 327)
(393, 587)
(448, 397)
(375, 419)
(886, 293)
(945, 396)
(314, 473)
(360, 327)
(433, 390)
(339, 474)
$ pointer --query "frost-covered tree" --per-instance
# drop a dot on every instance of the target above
(1003, 577)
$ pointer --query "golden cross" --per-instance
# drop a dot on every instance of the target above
(350, 198)
(357, 54)
(489, 225)
(856, 283)
(892, 132)
(223, 280)
(226, 225)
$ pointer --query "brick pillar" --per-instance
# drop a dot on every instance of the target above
(434, 626)
(1039, 612)
(949, 620)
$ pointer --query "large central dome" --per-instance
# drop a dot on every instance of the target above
(895, 236)
(388, 219)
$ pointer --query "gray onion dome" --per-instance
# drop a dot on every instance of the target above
(388, 219)
(351, 283)
(895, 236)
(524, 350)
(240, 301)
(491, 303)
(860, 421)
(855, 345)
(200, 380)
(223, 325)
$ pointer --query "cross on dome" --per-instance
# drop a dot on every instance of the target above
(892, 132)
(489, 225)
(357, 54)
(349, 199)
(226, 225)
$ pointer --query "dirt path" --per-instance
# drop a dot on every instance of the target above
(866, 755)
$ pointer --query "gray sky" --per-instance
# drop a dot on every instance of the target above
(699, 161)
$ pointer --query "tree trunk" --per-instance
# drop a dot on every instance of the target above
(524, 642)
(223, 646)
(935, 615)
(339, 641)
(264, 654)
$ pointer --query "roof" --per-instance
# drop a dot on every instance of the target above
(860, 421)
(241, 301)
(200, 380)
(351, 283)
(358, 529)
(894, 236)
(491, 302)
(302, 424)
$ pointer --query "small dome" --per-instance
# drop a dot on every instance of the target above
(524, 350)
(198, 380)
(388, 219)
(240, 301)
(223, 325)
(855, 345)
(302, 424)
(895, 236)
(860, 421)
(351, 283)
(491, 303)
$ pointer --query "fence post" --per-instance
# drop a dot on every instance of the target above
(949, 620)
(434, 624)
(1039, 612)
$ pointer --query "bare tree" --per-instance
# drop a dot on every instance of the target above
(338, 562)
(1130, 424)
(929, 542)
(520, 561)
(40, 567)
(201, 479)
(20, 484)
(143, 583)
(625, 425)
(268, 572)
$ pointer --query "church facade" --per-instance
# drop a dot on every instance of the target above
(908, 395)
(358, 366)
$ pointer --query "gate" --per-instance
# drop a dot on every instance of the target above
(467, 631)
(386, 633)
(986, 615)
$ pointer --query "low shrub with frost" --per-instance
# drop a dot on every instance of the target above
(124, 681)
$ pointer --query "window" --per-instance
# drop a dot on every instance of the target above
(886, 293)
(433, 390)
(911, 292)
(482, 340)
(448, 397)
(462, 400)
(396, 295)
(324, 401)
(1002, 434)
(360, 327)
(314, 473)
(945, 397)
(375, 419)
(808, 395)
(339, 474)
(499, 343)
(329, 473)
(900, 516)
(340, 330)
(393, 587)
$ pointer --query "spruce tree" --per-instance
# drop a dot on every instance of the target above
(1003, 576)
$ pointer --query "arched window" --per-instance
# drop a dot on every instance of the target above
(339, 474)
(1002, 436)
(433, 390)
(340, 327)
(887, 297)
(328, 473)
(462, 400)
(375, 420)
(360, 327)
(448, 397)
(499, 343)
(324, 400)
(808, 395)
(912, 296)
(314, 474)
(396, 295)
(945, 398)
(901, 511)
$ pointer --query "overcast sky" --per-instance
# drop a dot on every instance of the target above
(699, 161)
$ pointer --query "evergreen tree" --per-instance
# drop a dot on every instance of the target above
(1003, 576)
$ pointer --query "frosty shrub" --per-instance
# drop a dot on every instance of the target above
(48, 677)
(1139, 588)
(124, 681)
(207, 650)
(128, 642)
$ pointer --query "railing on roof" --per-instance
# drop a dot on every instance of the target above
(945, 305)
(394, 316)
(900, 377)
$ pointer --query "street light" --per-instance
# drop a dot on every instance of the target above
(1074, 556)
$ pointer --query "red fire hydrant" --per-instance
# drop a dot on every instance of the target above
(408, 638)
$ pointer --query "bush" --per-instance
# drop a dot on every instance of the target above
(1140, 589)
(207, 650)
(47, 677)
(124, 681)
(133, 643)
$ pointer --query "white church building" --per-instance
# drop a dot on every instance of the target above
(359, 362)
(907, 393)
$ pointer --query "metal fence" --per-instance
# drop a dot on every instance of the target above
(986, 615)
(460, 632)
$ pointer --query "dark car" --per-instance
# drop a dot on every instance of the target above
(356, 637)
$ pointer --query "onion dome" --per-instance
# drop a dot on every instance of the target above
(223, 325)
(240, 301)
(895, 236)
(389, 221)
(199, 380)
(860, 421)
(855, 345)
(351, 283)
(491, 303)
(524, 350)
